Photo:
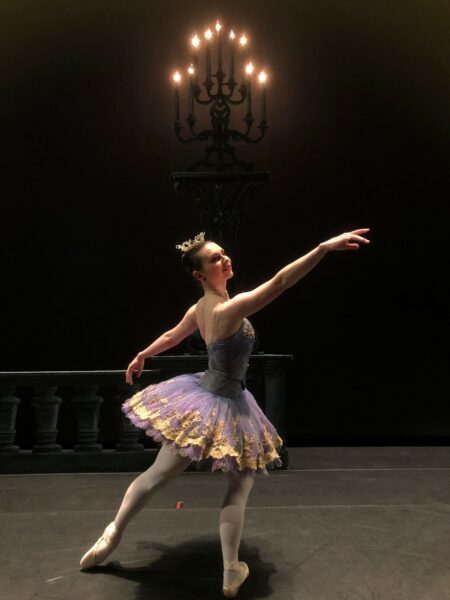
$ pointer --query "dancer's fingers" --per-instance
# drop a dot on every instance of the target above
(129, 376)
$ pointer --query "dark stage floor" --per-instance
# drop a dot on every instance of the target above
(340, 524)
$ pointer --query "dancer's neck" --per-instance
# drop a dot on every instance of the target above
(221, 293)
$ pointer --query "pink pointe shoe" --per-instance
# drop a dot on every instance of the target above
(230, 591)
(95, 556)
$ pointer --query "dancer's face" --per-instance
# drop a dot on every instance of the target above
(217, 267)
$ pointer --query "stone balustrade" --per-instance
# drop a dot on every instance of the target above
(71, 421)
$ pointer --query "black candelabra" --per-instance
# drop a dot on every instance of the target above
(218, 91)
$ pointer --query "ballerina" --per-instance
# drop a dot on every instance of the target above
(210, 415)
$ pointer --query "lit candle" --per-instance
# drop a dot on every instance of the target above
(249, 70)
(195, 41)
(232, 36)
(243, 44)
(191, 71)
(219, 46)
(208, 36)
(177, 78)
(262, 77)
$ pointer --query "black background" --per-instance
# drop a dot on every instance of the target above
(358, 114)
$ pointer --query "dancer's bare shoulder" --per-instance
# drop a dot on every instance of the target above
(227, 323)
(210, 321)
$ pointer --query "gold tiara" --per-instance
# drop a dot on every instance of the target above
(189, 244)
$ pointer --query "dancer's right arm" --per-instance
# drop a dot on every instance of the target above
(248, 303)
(169, 339)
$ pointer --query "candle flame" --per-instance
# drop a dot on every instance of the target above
(191, 69)
(218, 26)
(208, 34)
(177, 76)
(243, 40)
(195, 41)
(232, 35)
(249, 68)
(262, 77)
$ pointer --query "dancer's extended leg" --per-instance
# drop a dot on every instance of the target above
(231, 520)
(167, 465)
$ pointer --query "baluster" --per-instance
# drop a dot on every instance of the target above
(8, 415)
(46, 409)
(129, 433)
(87, 406)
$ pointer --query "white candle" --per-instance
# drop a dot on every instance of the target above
(219, 46)
(208, 36)
(195, 41)
(262, 77)
(243, 44)
(177, 78)
(191, 72)
(232, 36)
(249, 70)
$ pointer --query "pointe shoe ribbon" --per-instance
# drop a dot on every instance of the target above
(94, 556)
(231, 591)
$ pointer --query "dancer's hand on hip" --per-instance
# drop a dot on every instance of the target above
(343, 241)
(136, 365)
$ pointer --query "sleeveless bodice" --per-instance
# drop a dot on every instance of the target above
(228, 362)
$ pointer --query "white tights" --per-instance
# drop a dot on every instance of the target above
(167, 465)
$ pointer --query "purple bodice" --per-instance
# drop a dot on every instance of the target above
(228, 362)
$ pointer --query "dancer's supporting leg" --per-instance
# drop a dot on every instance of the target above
(167, 465)
(231, 522)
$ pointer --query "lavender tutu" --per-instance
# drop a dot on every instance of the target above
(211, 415)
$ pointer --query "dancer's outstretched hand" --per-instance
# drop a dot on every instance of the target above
(137, 364)
(344, 241)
